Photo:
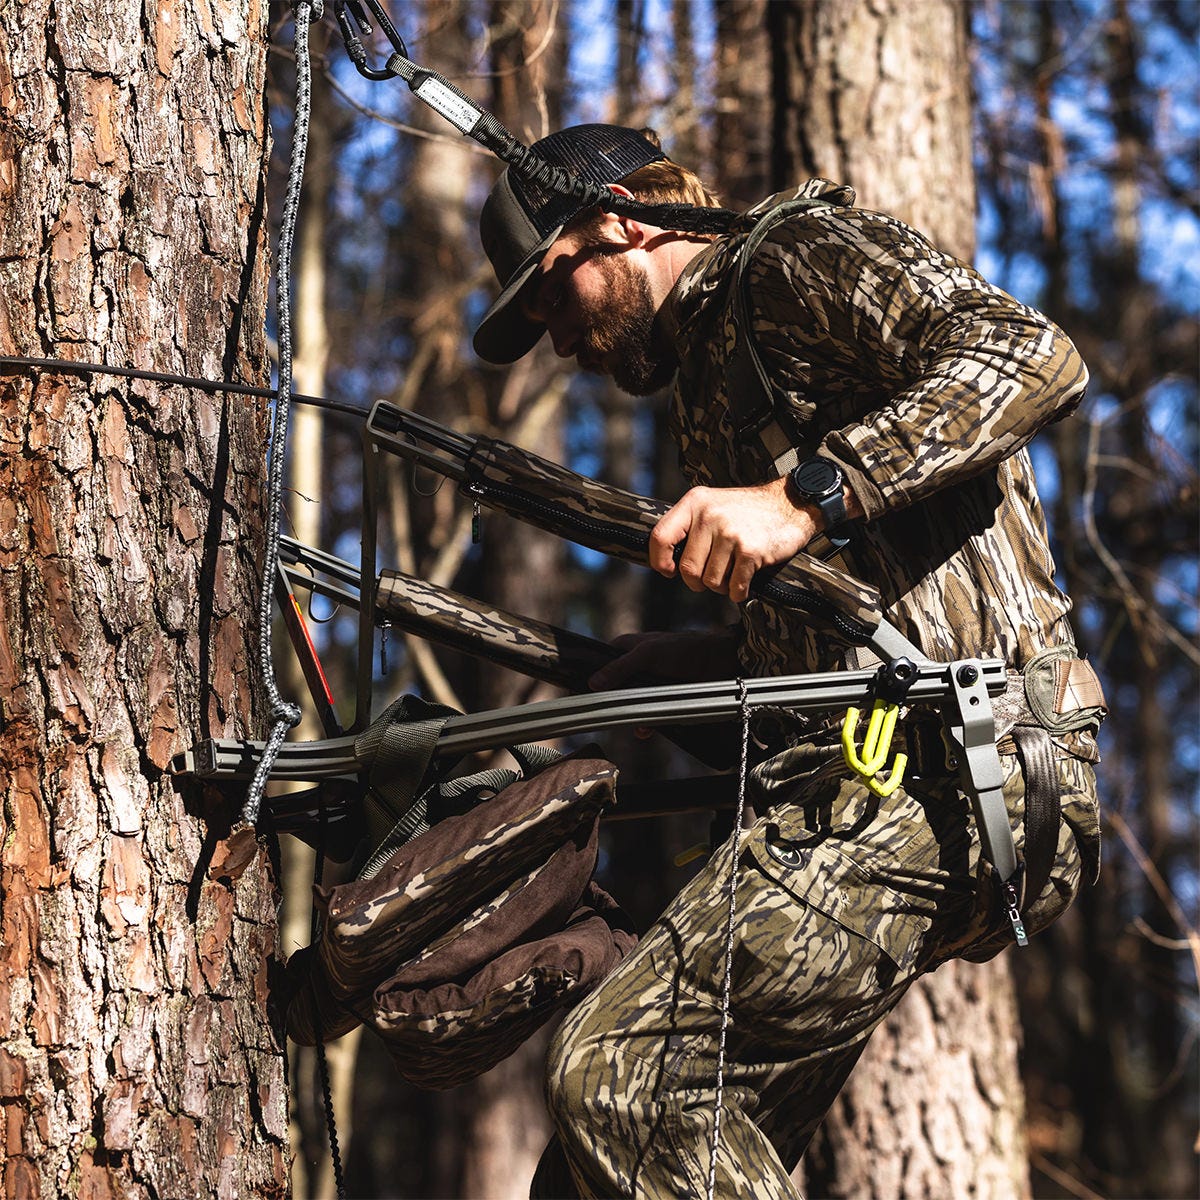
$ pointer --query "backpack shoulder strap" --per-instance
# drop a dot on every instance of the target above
(756, 406)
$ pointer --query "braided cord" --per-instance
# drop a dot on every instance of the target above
(735, 845)
(282, 714)
(335, 1148)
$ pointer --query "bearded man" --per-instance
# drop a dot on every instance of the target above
(895, 393)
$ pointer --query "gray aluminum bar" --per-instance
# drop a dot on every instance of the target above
(341, 576)
(688, 703)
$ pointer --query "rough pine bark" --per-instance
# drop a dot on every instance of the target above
(934, 1108)
(136, 1055)
(878, 96)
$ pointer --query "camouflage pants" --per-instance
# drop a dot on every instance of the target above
(843, 900)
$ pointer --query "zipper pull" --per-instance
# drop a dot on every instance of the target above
(1013, 908)
(474, 490)
(383, 639)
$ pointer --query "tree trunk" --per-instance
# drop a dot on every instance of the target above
(934, 1107)
(743, 125)
(878, 97)
(136, 1058)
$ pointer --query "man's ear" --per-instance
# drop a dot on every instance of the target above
(626, 231)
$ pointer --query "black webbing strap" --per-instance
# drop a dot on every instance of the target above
(754, 401)
(1043, 809)
(398, 747)
(396, 750)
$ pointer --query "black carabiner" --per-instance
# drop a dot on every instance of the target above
(354, 46)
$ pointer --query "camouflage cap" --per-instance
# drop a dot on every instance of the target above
(520, 222)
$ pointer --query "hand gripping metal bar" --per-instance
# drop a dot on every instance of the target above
(614, 521)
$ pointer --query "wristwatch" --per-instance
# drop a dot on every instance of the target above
(818, 481)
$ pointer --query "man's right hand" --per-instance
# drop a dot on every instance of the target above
(691, 657)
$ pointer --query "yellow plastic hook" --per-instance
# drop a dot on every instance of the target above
(876, 744)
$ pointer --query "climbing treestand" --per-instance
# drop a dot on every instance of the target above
(505, 477)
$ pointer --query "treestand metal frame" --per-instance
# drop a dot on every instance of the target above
(961, 691)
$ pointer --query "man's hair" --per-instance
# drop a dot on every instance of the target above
(666, 182)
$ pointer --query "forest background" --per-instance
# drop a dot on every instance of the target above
(1085, 157)
(1054, 143)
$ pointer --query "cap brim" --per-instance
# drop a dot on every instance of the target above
(505, 333)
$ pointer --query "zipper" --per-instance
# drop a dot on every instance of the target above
(568, 518)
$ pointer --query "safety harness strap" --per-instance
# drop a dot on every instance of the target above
(756, 405)
(1043, 809)
(396, 751)
(398, 748)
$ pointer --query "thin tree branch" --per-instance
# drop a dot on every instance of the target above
(1160, 887)
(1076, 1187)
(1142, 615)
(533, 56)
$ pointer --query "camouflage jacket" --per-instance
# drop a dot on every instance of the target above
(925, 384)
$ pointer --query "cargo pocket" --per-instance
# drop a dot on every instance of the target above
(825, 878)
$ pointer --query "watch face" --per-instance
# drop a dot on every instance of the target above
(816, 477)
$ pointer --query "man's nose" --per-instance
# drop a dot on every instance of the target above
(565, 339)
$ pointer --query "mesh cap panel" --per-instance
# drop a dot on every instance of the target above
(597, 153)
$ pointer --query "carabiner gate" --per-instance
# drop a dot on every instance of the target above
(354, 47)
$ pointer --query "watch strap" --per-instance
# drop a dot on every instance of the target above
(833, 509)
(832, 504)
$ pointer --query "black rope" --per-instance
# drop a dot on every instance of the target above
(203, 385)
(335, 1149)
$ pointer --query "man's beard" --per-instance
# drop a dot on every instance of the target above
(625, 330)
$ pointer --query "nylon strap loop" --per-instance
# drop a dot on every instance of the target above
(1043, 808)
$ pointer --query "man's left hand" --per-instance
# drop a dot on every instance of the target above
(731, 533)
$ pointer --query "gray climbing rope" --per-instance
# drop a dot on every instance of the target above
(282, 714)
(735, 848)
